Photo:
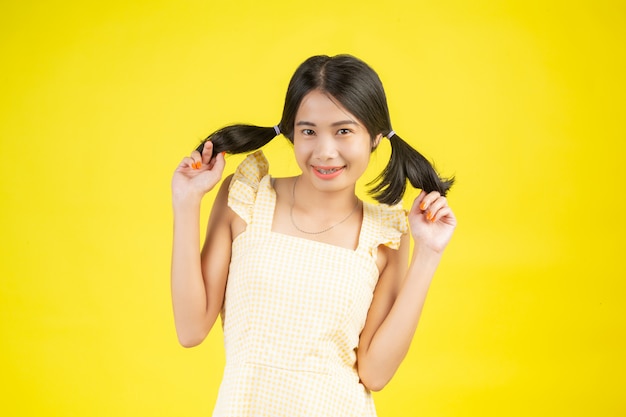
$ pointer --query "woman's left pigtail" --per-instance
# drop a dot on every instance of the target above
(406, 163)
(240, 138)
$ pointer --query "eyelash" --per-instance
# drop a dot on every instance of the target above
(342, 131)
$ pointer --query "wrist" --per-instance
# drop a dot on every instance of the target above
(425, 255)
(186, 201)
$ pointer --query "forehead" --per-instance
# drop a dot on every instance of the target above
(322, 107)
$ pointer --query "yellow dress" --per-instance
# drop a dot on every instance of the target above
(294, 309)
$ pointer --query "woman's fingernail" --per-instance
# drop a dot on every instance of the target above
(428, 215)
(224, 154)
(423, 205)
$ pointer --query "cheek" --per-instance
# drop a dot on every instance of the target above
(301, 153)
(299, 148)
(359, 151)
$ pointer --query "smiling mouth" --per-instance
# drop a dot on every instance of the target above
(327, 171)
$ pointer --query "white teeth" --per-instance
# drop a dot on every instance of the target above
(327, 171)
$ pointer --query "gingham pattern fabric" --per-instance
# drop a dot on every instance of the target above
(294, 310)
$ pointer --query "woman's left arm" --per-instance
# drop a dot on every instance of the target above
(401, 292)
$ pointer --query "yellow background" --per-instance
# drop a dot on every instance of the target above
(523, 100)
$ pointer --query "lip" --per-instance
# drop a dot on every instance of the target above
(330, 176)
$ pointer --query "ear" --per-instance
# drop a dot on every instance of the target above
(377, 141)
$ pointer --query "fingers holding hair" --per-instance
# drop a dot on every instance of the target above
(202, 155)
(196, 160)
(433, 205)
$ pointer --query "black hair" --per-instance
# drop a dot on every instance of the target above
(358, 88)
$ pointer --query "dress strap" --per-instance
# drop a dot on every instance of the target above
(243, 194)
(263, 210)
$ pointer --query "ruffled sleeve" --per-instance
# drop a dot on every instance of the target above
(393, 224)
(245, 184)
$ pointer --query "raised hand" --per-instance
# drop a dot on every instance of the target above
(432, 221)
(197, 174)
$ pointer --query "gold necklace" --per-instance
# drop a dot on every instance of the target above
(293, 202)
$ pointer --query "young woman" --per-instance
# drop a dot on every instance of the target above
(318, 293)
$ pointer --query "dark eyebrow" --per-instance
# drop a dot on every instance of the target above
(339, 123)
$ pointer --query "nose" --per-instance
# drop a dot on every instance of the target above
(325, 148)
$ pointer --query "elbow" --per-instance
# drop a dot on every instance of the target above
(374, 384)
(190, 339)
(190, 333)
(372, 379)
(189, 342)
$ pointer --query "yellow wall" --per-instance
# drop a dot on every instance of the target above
(522, 100)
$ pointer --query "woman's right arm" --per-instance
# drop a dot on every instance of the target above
(198, 278)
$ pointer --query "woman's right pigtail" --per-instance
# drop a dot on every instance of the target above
(240, 138)
(407, 163)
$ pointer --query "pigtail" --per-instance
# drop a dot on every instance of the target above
(240, 138)
(406, 163)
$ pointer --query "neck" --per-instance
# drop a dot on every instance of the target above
(325, 217)
(306, 197)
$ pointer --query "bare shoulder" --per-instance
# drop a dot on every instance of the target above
(220, 205)
(282, 186)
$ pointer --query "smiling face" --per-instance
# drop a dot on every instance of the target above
(331, 145)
